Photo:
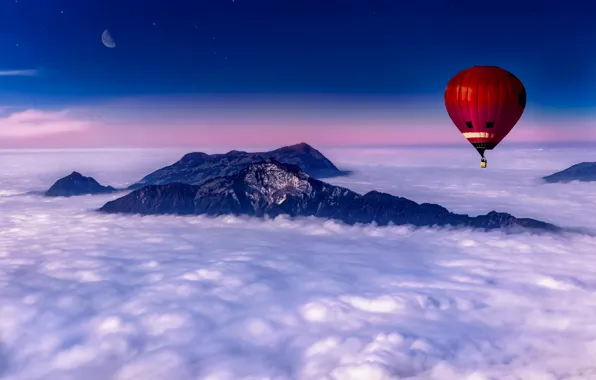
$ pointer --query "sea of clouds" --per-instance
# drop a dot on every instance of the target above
(90, 296)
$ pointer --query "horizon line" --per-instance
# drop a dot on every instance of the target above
(509, 145)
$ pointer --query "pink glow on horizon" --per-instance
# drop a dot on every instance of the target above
(258, 124)
(262, 134)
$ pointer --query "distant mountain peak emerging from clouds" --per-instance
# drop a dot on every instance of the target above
(196, 168)
(77, 184)
(271, 188)
(584, 171)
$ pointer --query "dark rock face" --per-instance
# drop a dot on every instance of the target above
(173, 198)
(196, 168)
(271, 188)
(77, 184)
(584, 171)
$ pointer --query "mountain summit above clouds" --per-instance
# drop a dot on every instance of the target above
(77, 184)
(196, 168)
(584, 172)
(271, 188)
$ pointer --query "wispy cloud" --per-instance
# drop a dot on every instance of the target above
(32, 122)
(19, 73)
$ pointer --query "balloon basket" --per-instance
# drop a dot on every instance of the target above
(483, 164)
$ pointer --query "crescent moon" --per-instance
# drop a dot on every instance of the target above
(107, 40)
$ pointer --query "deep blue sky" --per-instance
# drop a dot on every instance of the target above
(376, 47)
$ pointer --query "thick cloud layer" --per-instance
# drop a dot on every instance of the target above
(91, 296)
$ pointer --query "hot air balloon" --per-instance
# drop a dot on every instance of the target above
(485, 103)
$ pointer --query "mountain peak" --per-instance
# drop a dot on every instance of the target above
(298, 148)
(193, 157)
(77, 184)
(235, 152)
(198, 168)
(584, 171)
(301, 146)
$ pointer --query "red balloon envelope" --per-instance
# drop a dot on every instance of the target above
(485, 103)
